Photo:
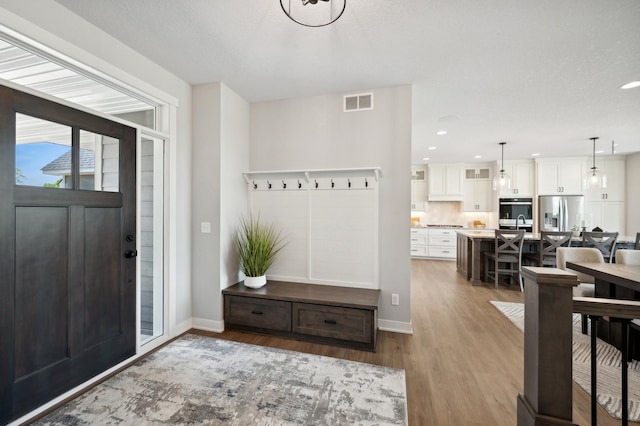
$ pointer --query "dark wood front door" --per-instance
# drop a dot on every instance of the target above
(67, 259)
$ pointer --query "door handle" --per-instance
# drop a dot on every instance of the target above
(130, 254)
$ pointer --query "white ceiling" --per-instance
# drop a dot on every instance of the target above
(543, 75)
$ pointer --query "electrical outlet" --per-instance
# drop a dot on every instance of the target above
(205, 227)
(395, 299)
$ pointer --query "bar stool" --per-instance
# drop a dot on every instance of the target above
(508, 253)
(549, 242)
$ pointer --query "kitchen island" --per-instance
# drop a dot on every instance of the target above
(471, 244)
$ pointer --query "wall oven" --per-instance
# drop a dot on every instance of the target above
(516, 213)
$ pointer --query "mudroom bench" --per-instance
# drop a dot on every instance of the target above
(341, 316)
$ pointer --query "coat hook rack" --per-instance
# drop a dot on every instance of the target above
(284, 184)
(332, 183)
(349, 183)
(255, 185)
(268, 184)
(299, 184)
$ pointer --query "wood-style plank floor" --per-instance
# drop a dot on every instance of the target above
(464, 360)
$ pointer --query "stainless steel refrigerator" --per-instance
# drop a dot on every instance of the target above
(560, 212)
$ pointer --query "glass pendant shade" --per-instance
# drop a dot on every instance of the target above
(502, 180)
(595, 178)
(313, 13)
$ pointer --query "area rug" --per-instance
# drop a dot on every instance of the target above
(609, 363)
(202, 380)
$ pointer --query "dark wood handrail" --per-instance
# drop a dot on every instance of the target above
(600, 307)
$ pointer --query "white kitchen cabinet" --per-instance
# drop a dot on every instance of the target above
(521, 173)
(442, 243)
(445, 182)
(418, 187)
(478, 189)
(560, 176)
(615, 172)
(607, 215)
(419, 242)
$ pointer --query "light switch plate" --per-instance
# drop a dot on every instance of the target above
(205, 227)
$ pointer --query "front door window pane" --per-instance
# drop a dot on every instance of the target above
(43, 153)
(99, 162)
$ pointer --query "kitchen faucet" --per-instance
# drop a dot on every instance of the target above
(524, 221)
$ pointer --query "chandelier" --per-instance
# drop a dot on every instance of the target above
(313, 13)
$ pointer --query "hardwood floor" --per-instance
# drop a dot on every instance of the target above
(464, 361)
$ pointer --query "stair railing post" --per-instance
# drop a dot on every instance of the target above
(548, 336)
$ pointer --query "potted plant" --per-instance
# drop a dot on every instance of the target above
(257, 244)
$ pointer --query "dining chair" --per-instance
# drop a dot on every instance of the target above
(550, 241)
(603, 241)
(587, 286)
(637, 245)
(628, 257)
(506, 257)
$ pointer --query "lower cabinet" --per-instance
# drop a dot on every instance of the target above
(341, 316)
(439, 243)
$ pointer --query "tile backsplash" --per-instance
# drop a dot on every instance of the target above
(450, 213)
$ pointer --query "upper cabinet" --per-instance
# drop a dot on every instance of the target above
(521, 173)
(446, 182)
(560, 176)
(418, 187)
(614, 168)
(478, 189)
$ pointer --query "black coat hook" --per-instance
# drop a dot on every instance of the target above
(284, 185)
(255, 185)
(299, 184)
(269, 184)
(316, 183)
(332, 183)
(366, 183)
(349, 183)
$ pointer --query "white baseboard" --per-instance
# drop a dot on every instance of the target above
(395, 326)
(207, 325)
(183, 327)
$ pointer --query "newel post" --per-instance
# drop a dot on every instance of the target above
(548, 336)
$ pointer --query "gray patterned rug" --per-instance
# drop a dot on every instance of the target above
(609, 364)
(202, 380)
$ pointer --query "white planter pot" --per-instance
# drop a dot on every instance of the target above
(255, 282)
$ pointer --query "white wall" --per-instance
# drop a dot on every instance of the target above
(54, 26)
(633, 194)
(315, 133)
(220, 155)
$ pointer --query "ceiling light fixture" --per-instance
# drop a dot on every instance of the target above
(441, 132)
(313, 13)
(477, 156)
(631, 85)
(502, 179)
(426, 159)
(594, 177)
(535, 154)
(431, 148)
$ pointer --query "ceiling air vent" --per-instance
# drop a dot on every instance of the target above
(361, 102)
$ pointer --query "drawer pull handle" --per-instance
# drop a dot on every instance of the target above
(256, 312)
(330, 321)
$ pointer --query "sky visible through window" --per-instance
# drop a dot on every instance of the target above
(32, 157)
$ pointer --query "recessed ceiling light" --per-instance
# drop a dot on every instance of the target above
(426, 159)
(535, 154)
(441, 132)
(477, 156)
(431, 148)
(599, 151)
(631, 85)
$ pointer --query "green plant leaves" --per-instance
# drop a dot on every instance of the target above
(258, 245)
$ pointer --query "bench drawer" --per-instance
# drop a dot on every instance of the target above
(333, 322)
(259, 313)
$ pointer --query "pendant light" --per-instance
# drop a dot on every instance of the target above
(502, 180)
(313, 13)
(595, 179)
